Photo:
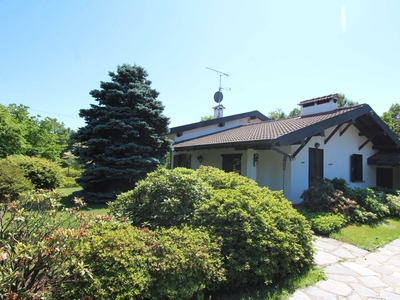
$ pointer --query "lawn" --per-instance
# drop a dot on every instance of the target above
(96, 208)
(370, 237)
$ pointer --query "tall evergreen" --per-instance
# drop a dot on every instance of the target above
(124, 137)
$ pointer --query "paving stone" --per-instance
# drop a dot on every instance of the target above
(389, 295)
(381, 270)
(322, 258)
(344, 253)
(377, 257)
(355, 249)
(394, 260)
(325, 246)
(335, 287)
(354, 297)
(319, 294)
(343, 278)
(359, 269)
(372, 281)
(339, 269)
(390, 280)
(363, 291)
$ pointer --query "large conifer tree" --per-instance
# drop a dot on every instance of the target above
(124, 137)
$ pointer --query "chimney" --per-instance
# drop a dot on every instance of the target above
(218, 111)
(319, 105)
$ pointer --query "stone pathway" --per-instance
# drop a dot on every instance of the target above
(353, 273)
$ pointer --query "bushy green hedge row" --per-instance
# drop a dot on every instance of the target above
(263, 237)
(127, 262)
(327, 197)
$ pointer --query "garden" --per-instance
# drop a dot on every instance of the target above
(179, 234)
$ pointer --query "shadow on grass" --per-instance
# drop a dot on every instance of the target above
(68, 201)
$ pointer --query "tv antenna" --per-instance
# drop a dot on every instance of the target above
(218, 96)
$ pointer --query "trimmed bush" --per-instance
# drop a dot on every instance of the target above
(325, 223)
(165, 198)
(127, 262)
(12, 181)
(44, 174)
(263, 237)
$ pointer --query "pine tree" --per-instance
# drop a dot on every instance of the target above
(124, 137)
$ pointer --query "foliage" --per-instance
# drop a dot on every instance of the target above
(277, 114)
(357, 205)
(295, 112)
(323, 197)
(23, 134)
(127, 262)
(35, 246)
(324, 223)
(165, 198)
(263, 237)
(69, 177)
(391, 117)
(207, 118)
(12, 181)
(124, 137)
(44, 174)
(345, 102)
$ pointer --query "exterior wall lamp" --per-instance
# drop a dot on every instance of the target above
(255, 159)
(200, 158)
(316, 145)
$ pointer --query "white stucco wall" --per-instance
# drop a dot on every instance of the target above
(337, 153)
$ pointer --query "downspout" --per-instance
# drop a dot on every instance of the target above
(285, 156)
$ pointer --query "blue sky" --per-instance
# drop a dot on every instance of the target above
(278, 53)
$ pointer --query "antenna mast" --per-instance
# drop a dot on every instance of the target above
(220, 76)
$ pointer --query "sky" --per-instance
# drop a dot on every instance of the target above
(277, 53)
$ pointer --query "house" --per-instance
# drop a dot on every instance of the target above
(287, 154)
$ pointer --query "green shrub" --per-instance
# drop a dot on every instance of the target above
(393, 203)
(165, 198)
(127, 262)
(44, 174)
(12, 181)
(35, 246)
(323, 197)
(263, 237)
(325, 223)
(69, 177)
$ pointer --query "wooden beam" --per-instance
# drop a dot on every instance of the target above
(301, 147)
(345, 129)
(363, 144)
(332, 134)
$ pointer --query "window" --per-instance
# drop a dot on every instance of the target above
(182, 160)
(232, 163)
(356, 168)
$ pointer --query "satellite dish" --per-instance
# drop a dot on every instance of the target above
(218, 96)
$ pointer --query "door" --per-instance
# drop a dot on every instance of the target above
(384, 177)
(315, 164)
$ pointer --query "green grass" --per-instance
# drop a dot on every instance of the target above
(370, 237)
(95, 208)
(279, 291)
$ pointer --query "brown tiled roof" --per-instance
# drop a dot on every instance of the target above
(314, 100)
(385, 158)
(271, 130)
